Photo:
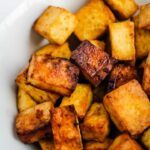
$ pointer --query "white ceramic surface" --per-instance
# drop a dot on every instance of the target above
(17, 43)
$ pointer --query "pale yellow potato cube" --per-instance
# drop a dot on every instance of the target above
(122, 40)
(93, 19)
(56, 24)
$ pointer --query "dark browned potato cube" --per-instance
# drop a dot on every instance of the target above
(94, 63)
(120, 75)
(124, 142)
(53, 74)
(65, 128)
(146, 139)
(129, 108)
(31, 123)
(96, 123)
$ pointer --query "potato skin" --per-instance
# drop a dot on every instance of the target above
(124, 9)
(81, 98)
(65, 128)
(94, 63)
(146, 139)
(93, 145)
(24, 100)
(53, 74)
(53, 50)
(126, 106)
(37, 94)
(96, 123)
(122, 48)
(56, 24)
(120, 75)
(33, 118)
(94, 24)
(124, 142)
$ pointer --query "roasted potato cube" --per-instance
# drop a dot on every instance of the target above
(144, 16)
(96, 123)
(129, 108)
(146, 76)
(54, 51)
(37, 94)
(53, 74)
(146, 139)
(99, 44)
(124, 142)
(56, 24)
(93, 145)
(36, 135)
(81, 98)
(142, 40)
(33, 118)
(94, 63)
(24, 100)
(122, 40)
(92, 21)
(120, 75)
(65, 128)
(124, 8)
(47, 144)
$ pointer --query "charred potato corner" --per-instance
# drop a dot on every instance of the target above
(91, 95)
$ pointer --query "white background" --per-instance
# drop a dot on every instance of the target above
(7, 6)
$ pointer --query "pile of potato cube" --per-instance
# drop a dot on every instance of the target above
(89, 87)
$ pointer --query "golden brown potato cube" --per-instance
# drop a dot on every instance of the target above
(53, 50)
(33, 118)
(36, 135)
(129, 108)
(146, 139)
(144, 16)
(122, 40)
(81, 98)
(124, 8)
(24, 100)
(146, 76)
(37, 94)
(47, 144)
(120, 75)
(56, 24)
(124, 142)
(94, 63)
(96, 123)
(65, 128)
(93, 145)
(99, 44)
(92, 21)
(53, 74)
(142, 40)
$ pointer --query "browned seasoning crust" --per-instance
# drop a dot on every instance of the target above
(94, 63)
(53, 74)
(65, 128)
(33, 118)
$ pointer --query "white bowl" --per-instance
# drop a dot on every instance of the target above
(17, 43)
